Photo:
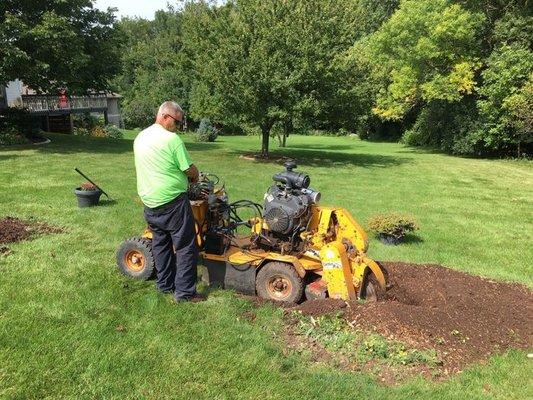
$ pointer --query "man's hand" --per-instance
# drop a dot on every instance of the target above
(192, 173)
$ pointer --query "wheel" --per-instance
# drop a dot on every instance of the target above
(279, 282)
(135, 258)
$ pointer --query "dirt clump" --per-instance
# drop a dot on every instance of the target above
(317, 308)
(15, 230)
(463, 317)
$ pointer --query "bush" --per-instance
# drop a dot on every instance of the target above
(86, 121)
(206, 132)
(111, 131)
(11, 138)
(81, 131)
(18, 124)
(445, 126)
(392, 224)
(138, 112)
(98, 131)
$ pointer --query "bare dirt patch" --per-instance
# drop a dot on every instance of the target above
(261, 158)
(15, 230)
(463, 318)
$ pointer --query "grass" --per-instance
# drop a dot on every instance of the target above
(72, 327)
(357, 346)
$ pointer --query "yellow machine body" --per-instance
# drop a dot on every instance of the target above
(336, 250)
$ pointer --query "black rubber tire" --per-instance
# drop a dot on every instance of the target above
(140, 246)
(276, 270)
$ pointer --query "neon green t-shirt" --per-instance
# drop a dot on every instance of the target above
(160, 161)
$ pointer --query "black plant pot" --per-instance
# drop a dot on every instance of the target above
(389, 239)
(87, 198)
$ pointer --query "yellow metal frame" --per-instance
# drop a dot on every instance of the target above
(337, 247)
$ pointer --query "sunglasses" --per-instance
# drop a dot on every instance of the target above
(179, 123)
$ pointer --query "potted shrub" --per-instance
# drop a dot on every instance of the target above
(391, 228)
(88, 195)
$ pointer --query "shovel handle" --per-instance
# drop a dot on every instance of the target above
(89, 179)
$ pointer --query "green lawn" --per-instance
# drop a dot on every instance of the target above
(72, 327)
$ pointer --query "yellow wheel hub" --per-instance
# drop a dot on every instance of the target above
(135, 260)
(279, 287)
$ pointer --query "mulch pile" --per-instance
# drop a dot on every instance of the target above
(463, 317)
(14, 230)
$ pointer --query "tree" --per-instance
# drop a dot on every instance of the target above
(505, 97)
(154, 66)
(520, 109)
(427, 51)
(57, 43)
(263, 62)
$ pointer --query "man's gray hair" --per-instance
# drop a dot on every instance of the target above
(169, 107)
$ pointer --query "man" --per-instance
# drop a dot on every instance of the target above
(163, 169)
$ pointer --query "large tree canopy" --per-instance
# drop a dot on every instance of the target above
(454, 74)
(263, 62)
(427, 51)
(57, 43)
(154, 66)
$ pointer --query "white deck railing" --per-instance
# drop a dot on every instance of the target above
(39, 103)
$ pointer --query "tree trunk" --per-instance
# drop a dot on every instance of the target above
(265, 132)
(287, 128)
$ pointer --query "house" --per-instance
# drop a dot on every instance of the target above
(55, 111)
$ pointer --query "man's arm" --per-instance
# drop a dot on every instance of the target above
(193, 173)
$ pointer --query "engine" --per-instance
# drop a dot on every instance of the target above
(287, 202)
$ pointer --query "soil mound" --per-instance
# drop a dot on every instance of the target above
(463, 317)
(14, 230)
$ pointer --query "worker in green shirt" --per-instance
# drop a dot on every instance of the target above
(164, 169)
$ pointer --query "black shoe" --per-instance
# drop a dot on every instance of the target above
(196, 298)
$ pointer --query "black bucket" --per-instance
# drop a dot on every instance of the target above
(87, 198)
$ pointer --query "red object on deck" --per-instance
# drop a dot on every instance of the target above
(63, 99)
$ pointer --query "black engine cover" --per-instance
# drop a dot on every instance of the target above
(284, 210)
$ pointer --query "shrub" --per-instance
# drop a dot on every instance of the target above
(11, 138)
(111, 131)
(392, 224)
(445, 126)
(98, 131)
(138, 112)
(18, 123)
(206, 132)
(81, 131)
(86, 121)
(343, 132)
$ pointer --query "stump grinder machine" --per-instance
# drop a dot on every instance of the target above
(293, 246)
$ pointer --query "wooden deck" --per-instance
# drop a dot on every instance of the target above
(55, 105)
